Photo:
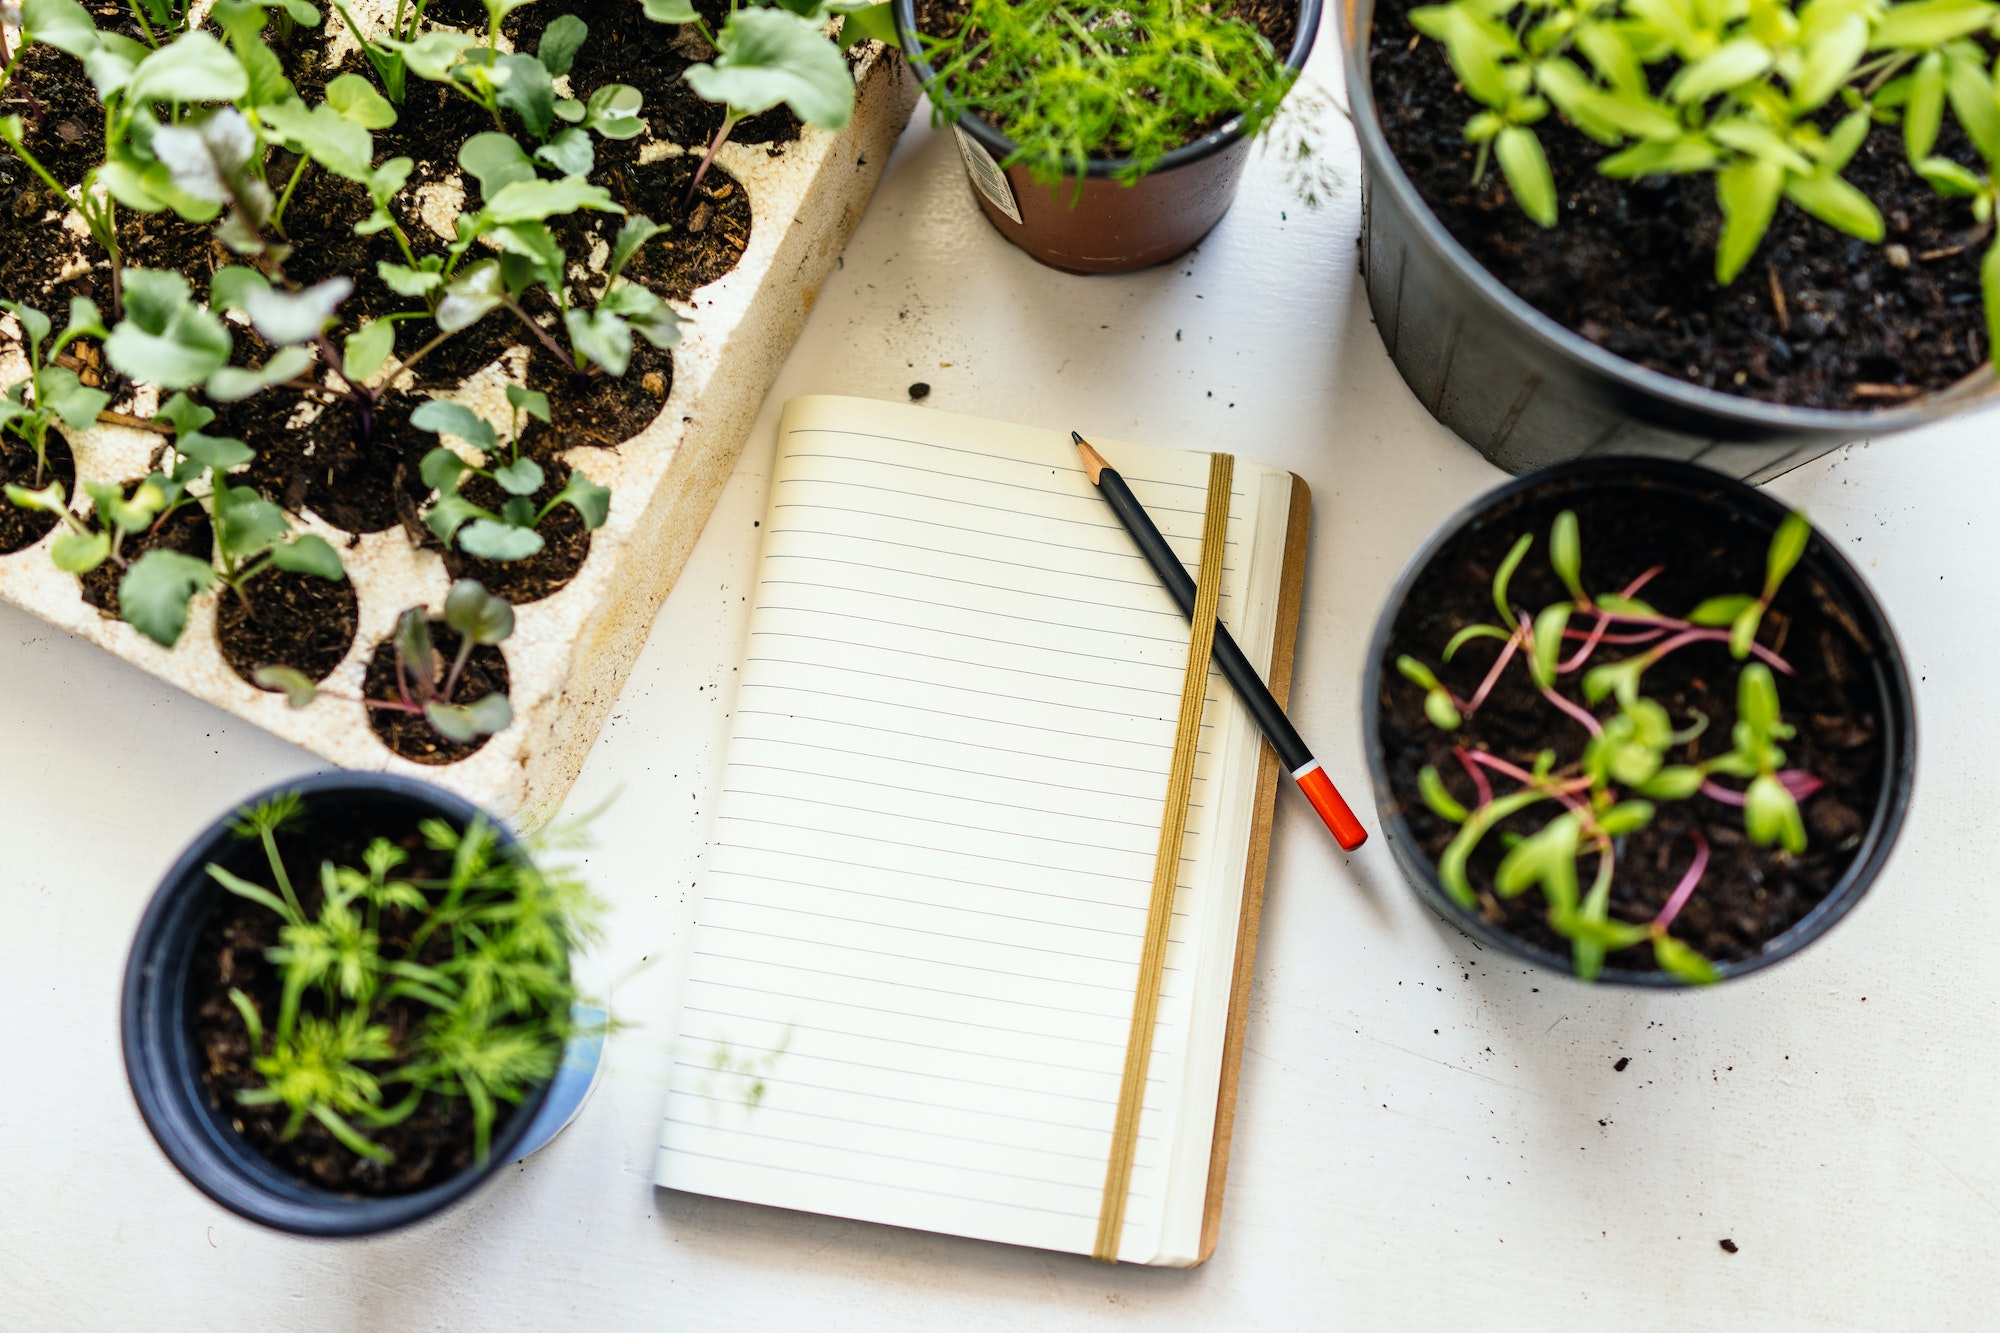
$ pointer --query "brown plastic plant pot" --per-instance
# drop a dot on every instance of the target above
(1093, 223)
(1527, 392)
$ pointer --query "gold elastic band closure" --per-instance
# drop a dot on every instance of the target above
(1166, 864)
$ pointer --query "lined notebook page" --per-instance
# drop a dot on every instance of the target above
(924, 898)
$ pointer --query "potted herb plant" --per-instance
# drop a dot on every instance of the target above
(349, 1002)
(1100, 137)
(1628, 718)
(1738, 234)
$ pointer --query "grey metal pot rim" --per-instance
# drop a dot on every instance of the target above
(1981, 386)
(1899, 761)
(998, 144)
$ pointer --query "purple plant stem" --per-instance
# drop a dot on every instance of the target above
(1685, 889)
(1797, 781)
(1583, 716)
(1561, 791)
(1478, 776)
(1513, 644)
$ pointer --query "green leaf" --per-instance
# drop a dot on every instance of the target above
(644, 311)
(1471, 632)
(1625, 818)
(59, 390)
(1743, 630)
(561, 40)
(476, 291)
(1442, 712)
(355, 99)
(80, 552)
(1547, 654)
(478, 614)
(1505, 575)
(600, 337)
(63, 24)
(154, 594)
(1949, 178)
(531, 401)
(613, 111)
(337, 143)
(1527, 171)
(165, 338)
(1477, 47)
(1416, 672)
(1566, 554)
(432, 55)
(232, 384)
(1770, 815)
(449, 513)
(406, 281)
(213, 453)
(1681, 961)
(569, 152)
(1684, 156)
(1748, 193)
(1675, 783)
(1451, 865)
(1923, 25)
(467, 723)
(286, 318)
(1719, 611)
(1731, 65)
(1924, 114)
(1620, 678)
(768, 56)
(670, 11)
(492, 540)
(638, 229)
(537, 200)
(876, 23)
(523, 476)
(298, 688)
(448, 418)
(442, 469)
(1836, 203)
(1971, 93)
(1989, 293)
(585, 496)
(527, 91)
(1831, 54)
(1788, 546)
(309, 554)
(194, 68)
(246, 524)
(48, 500)
(1431, 784)
(367, 348)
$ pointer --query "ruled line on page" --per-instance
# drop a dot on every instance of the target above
(934, 841)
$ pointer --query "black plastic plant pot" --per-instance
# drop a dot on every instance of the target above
(1525, 391)
(1740, 515)
(163, 1061)
(1094, 223)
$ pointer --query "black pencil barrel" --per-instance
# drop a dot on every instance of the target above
(1229, 658)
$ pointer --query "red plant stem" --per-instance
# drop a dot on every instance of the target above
(1797, 781)
(1561, 791)
(1583, 716)
(1685, 889)
(1478, 776)
(1596, 634)
(1616, 640)
(1513, 644)
(1687, 634)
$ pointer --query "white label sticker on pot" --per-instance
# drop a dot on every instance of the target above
(987, 178)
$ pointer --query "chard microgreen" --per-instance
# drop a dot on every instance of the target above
(1634, 761)
(51, 393)
(510, 534)
(370, 1021)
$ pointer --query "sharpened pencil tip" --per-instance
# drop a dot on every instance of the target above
(1093, 462)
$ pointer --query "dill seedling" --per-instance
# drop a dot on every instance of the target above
(396, 984)
(1072, 83)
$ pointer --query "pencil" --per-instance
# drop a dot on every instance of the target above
(1277, 728)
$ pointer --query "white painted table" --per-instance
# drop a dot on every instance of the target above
(1421, 1143)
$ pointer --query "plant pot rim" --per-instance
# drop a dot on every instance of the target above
(1000, 145)
(216, 1159)
(1898, 703)
(1981, 387)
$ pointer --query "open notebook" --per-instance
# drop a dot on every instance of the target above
(913, 969)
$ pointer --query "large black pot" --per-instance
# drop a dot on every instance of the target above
(1734, 502)
(1525, 391)
(163, 1062)
(1092, 223)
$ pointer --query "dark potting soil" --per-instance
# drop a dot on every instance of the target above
(565, 543)
(357, 482)
(21, 528)
(601, 411)
(409, 734)
(297, 620)
(1749, 895)
(186, 530)
(708, 232)
(436, 1141)
(1816, 319)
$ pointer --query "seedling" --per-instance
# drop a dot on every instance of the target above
(396, 985)
(115, 515)
(1746, 94)
(51, 393)
(426, 685)
(764, 56)
(1070, 83)
(509, 534)
(1623, 776)
(252, 536)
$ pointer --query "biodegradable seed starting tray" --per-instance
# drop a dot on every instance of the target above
(571, 651)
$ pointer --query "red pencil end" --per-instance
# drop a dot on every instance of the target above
(1319, 789)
